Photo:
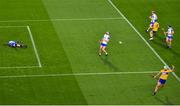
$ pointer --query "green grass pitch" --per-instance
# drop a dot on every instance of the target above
(66, 36)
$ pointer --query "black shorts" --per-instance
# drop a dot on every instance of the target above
(154, 32)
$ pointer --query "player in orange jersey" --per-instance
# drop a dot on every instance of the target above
(155, 28)
(164, 73)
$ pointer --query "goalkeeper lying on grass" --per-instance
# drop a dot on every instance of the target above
(16, 44)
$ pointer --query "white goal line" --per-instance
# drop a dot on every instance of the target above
(76, 74)
(65, 19)
(33, 44)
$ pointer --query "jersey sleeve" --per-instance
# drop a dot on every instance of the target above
(161, 70)
(169, 70)
(166, 71)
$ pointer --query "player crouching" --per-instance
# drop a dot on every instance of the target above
(16, 44)
(103, 43)
(154, 30)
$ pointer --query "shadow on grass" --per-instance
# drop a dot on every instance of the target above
(160, 42)
(108, 63)
(165, 102)
(174, 52)
(163, 45)
(6, 45)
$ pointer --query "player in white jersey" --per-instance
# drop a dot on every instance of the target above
(169, 36)
(153, 18)
(103, 43)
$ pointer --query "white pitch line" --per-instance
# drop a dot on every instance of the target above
(34, 46)
(76, 74)
(70, 19)
(19, 67)
(158, 56)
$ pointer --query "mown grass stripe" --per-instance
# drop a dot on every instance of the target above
(158, 56)
(77, 74)
(65, 19)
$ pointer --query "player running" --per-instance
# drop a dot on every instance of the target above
(154, 29)
(153, 18)
(169, 36)
(16, 44)
(103, 43)
(164, 73)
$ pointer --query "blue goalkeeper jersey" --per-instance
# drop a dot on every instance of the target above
(12, 43)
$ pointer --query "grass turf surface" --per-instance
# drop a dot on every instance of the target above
(68, 46)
